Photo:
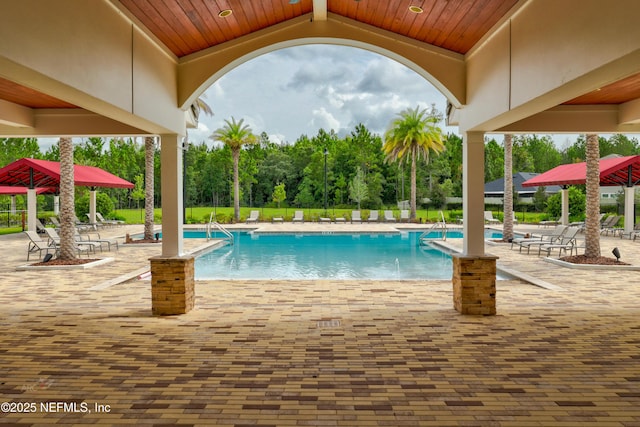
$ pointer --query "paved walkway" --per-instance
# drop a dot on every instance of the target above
(77, 349)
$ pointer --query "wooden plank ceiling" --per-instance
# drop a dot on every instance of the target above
(189, 26)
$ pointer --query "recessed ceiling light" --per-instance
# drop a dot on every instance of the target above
(415, 9)
(225, 13)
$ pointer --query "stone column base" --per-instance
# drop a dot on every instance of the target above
(474, 284)
(172, 285)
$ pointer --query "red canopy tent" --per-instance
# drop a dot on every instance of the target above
(11, 191)
(613, 171)
(35, 173)
(32, 173)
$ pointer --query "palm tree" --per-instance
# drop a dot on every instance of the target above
(149, 155)
(413, 134)
(592, 226)
(67, 201)
(507, 223)
(235, 135)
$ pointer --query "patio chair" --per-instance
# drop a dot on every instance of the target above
(404, 215)
(355, 216)
(609, 225)
(81, 245)
(489, 219)
(89, 238)
(373, 216)
(630, 234)
(566, 243)
(545, 238)
(298, 216)
(388, 216)
(111, 222)
(38, 244)
(253, 216)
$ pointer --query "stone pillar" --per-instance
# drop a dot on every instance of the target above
(172, 285)
(474, 284)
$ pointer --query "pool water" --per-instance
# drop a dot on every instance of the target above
(393, 256)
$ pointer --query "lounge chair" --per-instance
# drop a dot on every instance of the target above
(489, 219)
(253, 216)
(108, 222)
(324, 219)
(545, 238)
(38, 244)
(631, 234)
(298, 216)
(388, 216)
(355, 216)
(609, 225)
(404, 215)
(373, 216)
(566, 243)
(89, 237)
(81, 245)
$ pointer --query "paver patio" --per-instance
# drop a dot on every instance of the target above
(343, 353)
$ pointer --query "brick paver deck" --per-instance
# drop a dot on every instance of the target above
(76, 349)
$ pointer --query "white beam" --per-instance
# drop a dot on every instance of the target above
(71, 122)
(15, 115)
(578, 119)
(629, 112)
(319, 10)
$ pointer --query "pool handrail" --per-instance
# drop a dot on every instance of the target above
(442, 225)
(216, 224)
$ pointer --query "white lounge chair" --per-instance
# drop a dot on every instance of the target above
(489, 219)
(355, 216)
(254, 216)
(38, 244)
(566, 243)
(81, 246)
(548, 240)
(298, 216)
(388, 216)
(404, 215)
(373, 216)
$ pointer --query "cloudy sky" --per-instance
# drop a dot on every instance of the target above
(299, 90)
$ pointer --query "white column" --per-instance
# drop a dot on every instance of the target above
(92, 206)
(56, 205)
(171, 192)
(473, 193)
(564, 216)
(629, 203)
(32, 209)
(13, 204)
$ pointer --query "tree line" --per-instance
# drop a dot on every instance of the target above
(293, 174)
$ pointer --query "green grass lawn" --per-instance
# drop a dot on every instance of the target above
(200, 215)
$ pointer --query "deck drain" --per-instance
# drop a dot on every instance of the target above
(328, 324)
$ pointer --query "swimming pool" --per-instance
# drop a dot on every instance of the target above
(381, 256)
